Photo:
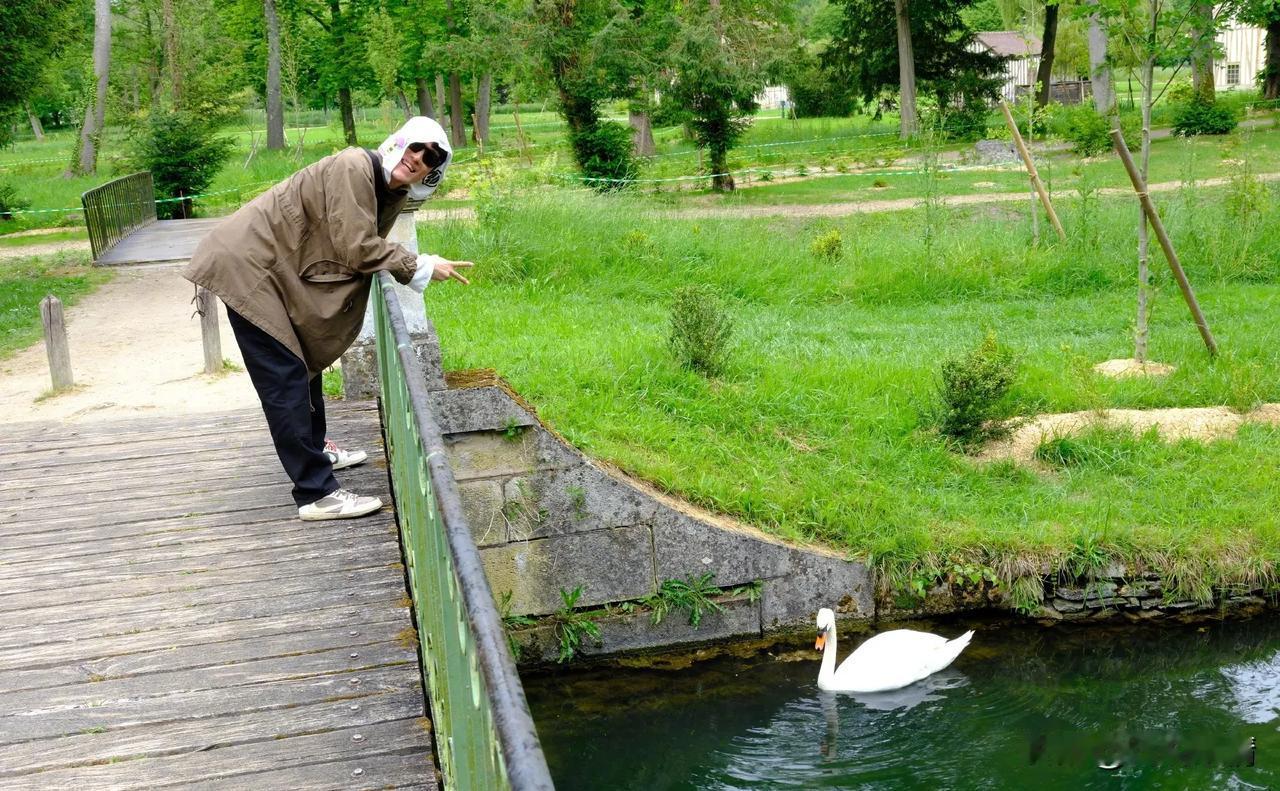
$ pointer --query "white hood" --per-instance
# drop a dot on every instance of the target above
(418, 129)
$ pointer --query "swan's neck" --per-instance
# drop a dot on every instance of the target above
(827, 673)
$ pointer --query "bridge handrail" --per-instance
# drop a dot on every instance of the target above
(485, 737)
(116, 209)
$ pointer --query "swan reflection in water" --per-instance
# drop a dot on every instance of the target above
(907, 698)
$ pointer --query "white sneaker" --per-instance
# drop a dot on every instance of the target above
(341, 504)
(342, 459)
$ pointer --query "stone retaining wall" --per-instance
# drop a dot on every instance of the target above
(547, 519)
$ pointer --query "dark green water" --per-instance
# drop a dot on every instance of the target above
(1023, 707)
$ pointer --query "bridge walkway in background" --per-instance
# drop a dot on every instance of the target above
(165, 618)
(159, 241)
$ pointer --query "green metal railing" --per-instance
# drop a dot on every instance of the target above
(116, 209)
(485, 738)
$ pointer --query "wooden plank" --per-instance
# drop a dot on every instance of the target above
(30, 578)
(385, 625)
(110, 552)
(72, 650)
(349, 557)
(395, 770)
(158, 242)
(162, 683)
(258, 515)
(169, 608)
(193, 736)
(204, 704)
(390, 738)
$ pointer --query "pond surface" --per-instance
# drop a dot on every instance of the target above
(1023, 707)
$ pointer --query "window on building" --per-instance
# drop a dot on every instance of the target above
(1233, 74)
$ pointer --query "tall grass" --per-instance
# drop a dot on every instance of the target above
(815, 429)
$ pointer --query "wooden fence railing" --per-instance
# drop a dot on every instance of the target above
(116, 209)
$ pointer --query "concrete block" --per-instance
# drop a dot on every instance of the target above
(360, 371)
(815, 581)
(627, 633)
(482, 502)
(487, 454)
(609, 565)
(478, 409)
(576, 500)
(685, 547)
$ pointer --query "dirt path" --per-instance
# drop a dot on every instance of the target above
(858, 207)
(48, 248)
(135, 349)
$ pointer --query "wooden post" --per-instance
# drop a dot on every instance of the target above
(1148, 208)
(55, 342)
(207, 307)
(1031, 171)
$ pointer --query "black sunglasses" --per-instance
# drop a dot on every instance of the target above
(431, 153)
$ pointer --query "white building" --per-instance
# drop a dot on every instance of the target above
(773, 97)
(1022, 54)
(1243, 55)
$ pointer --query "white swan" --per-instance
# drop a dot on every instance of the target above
(890, 660)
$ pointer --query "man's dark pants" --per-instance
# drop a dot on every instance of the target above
(294, 407)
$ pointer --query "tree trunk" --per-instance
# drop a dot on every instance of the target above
(457, 119)
(722, 179)
(483, 93)
(171, 51)
(1144, 242)
(348, 117)
(1104, 92)
(441, 103)
(95, 114)
(36, 128)
(641, 132)
(1271, 75)
(404, 104)
(275, 106)
(909, 125)
(1044, 74)
(424, 98)
(1202, 51)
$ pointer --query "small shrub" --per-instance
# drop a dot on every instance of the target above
(880, 184)
(1203, 118)
(183, 153)
(1088, 132)
(829, 246)
(572, 626)
(605, 155)
(10, 201)
(693, 595)
(973, 389)
(700, 329)
(766, 175)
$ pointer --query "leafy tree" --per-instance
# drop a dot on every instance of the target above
(31, 33)
(1266, 14)
(865, 51)
(183, 153)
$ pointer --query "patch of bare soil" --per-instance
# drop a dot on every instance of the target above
(1198, 423)
(1128, 367)
(135, 349)
(49, 248)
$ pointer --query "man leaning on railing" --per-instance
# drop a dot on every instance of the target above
(294, 267)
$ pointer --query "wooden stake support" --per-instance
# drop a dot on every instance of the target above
(55, 342)
(207, 307)
(1149, 209)
(1031, 171)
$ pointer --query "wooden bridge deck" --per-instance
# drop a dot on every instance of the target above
(163, 240)
(166, 620)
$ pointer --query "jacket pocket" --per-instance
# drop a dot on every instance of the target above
(327, 271)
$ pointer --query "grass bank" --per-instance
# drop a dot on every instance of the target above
(26, 281)
(820, 429)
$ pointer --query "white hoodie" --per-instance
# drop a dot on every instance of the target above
(418, 129)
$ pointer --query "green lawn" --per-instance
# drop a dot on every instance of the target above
(820, 428)
(24, 282)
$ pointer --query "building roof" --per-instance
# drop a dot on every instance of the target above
(1009, 43)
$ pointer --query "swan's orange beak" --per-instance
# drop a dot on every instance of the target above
(821, 642)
